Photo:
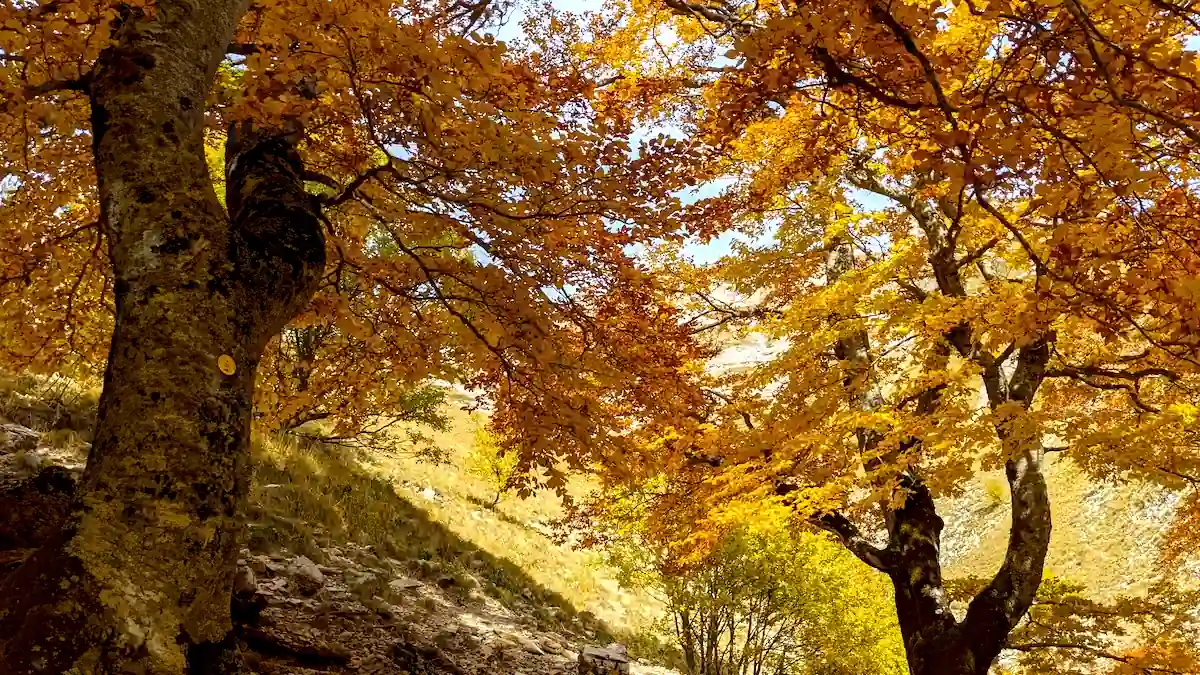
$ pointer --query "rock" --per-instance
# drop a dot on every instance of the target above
(603, 661)
(402, 584)
(16, 438)
(445, 639)
(549, 644)
(375, 663)
(429, 568)
(293, 640)
(383, 608)
(306, 575)
(420, 659)
(244, 582)
(528, 645)
(446, 581)
(503, 641)
(359, 581)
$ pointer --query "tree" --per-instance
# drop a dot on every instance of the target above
(494, 465)
(974, 226)
(763, 601)
(506, 201)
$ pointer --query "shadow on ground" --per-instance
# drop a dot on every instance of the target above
(314, 495)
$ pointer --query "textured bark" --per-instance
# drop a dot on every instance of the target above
(935, 642)
(139, 580)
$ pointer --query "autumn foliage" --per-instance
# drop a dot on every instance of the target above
(970, 228)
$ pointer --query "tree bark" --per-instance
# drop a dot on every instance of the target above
(935, 642)
(139, 579)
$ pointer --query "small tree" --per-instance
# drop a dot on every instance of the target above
(763, 600)
(497, 466)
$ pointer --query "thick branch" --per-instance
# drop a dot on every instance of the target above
(849, 535)
(993, 613)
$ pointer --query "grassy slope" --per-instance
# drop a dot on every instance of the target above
(435, 517)
(1106, 535)
(308, 497)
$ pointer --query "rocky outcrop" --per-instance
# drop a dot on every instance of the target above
(306, 576)
(611, 660)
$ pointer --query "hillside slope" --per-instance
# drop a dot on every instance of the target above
(373, 563)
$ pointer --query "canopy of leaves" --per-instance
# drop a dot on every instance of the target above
(480, 206)
(969, 230)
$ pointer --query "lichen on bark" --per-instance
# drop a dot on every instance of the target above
(140, 578)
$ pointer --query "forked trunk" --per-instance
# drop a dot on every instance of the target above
(139, 579)
(935, 642)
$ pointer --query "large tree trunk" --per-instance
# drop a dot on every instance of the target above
(139, 579)
(935, 642)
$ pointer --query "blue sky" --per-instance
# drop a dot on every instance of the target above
(700, 253)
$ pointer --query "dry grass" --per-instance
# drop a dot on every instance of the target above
(307, 496)
(1105, 535)
(434, 517)
(49, 403)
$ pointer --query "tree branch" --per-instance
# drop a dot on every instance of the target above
(849, 535)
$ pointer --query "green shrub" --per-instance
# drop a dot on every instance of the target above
(492, 464)
(766, 599)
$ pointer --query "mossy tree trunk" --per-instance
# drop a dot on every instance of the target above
(139, 579)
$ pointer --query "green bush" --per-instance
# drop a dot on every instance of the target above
(769, 600)
(492, 464)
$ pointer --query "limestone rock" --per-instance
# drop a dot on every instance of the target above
(528, 644)
(401, 584)
(551, 645)
(306, 575)
(15, 438)
(612, 660)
